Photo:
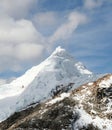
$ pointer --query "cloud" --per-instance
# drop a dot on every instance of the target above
(2, 81)
(27, 32)
(27, 51)
(20, 41)
(17, 31)
(90, 4)
(65, 30)
(17, 8)
(16, 34)
(45, 18)
(47, 22)
(6, 81)
(22, 51)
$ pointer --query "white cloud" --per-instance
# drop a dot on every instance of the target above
(2, 81)
(45, 18)
(17, 8)
(19, 41)
(90, 4)
(17, 31)
(6, 81)
(16, 34)
(22, 51)
(65, 30)
(47, 22)
(22, 40)
(27, 51)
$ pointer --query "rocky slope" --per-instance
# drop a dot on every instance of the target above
(89, 107)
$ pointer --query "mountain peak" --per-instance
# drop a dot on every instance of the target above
(59, 49)
(58, 70)
(63, 55)
(60, 52)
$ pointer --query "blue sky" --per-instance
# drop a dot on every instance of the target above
(31, 29)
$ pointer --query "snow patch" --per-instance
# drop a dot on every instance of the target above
(82, 68)
(85, 119)
(90, 84)
(107, 83)
(62, 96)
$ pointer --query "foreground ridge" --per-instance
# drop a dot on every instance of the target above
(89, 107)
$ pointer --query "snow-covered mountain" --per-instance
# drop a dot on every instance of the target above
(60, 63)
(42, 81)
(38, 82)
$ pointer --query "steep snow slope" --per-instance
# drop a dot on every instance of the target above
(37, 83)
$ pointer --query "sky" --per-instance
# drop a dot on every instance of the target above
(30, 30)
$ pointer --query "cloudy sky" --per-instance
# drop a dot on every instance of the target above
(31, 29)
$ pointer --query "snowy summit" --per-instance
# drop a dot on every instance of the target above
(37, 83)
(55, 79)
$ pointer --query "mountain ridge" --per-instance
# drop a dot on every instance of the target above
(75, 110)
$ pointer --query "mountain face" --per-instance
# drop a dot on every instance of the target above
(60, 93)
